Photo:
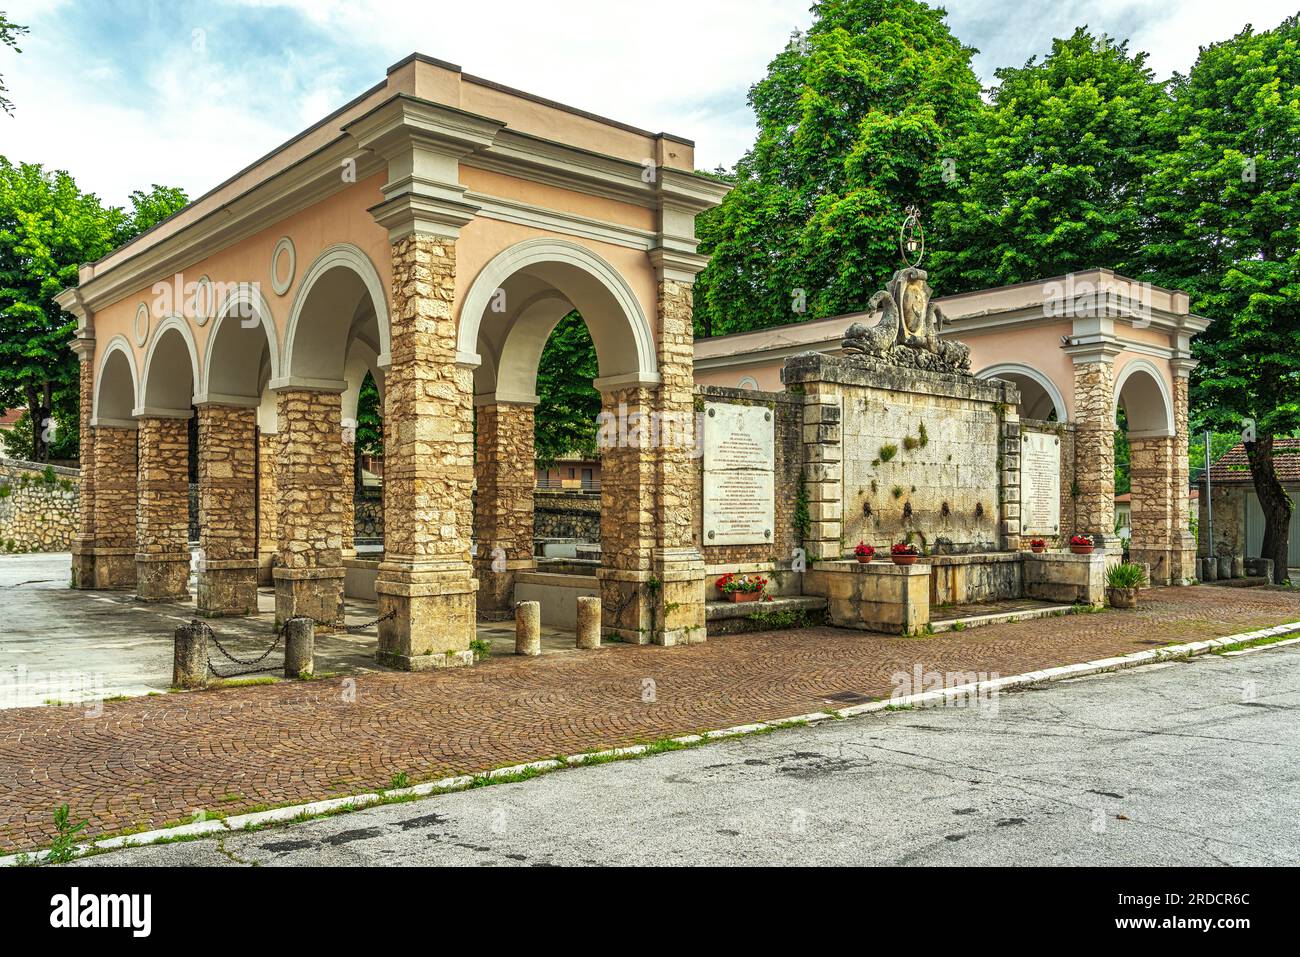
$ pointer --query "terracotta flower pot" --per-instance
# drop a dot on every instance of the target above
(864, 559)
(1082, 549)
(1123, 597)
(904, 559)
(1038, 549)
(739, 596)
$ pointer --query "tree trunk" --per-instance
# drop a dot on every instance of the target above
(1274, 502)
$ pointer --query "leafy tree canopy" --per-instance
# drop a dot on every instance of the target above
(1049, 179)
(9, 34)
(48, 227)
(854, 118)
(568, 403)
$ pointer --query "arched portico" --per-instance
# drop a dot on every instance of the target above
(512, 308)
(241, 358)
(167, 389)
(1040, 398)
(1157, 470)
(104, 556)
(359, 275)
(339, 310)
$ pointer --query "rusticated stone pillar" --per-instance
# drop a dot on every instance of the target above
(227, 572)
(349, 493)
(503, 523)
(426, 579)
(627, 514)
(1182, 559)
(83, 543)
(116, 489)
(162, 550)
(309, 563)
(652, 572)
(678, 616)
(1151, 473)
(1094, 450)
(268, 453)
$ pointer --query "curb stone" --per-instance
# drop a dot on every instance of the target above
(237, 823)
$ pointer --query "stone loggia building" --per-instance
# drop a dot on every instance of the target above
(430, 233)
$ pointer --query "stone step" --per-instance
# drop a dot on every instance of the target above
(997, 618)
(783, 611)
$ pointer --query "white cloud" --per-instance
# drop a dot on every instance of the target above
(128, 102)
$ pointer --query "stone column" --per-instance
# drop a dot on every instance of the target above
(627, 514)
(1182, 559)
(162, 554)
(426, 579)
(348, 541)
(83, 543)
(309, 563)
(227, 573)
(1152, 478)
(503, 516)
(1094, 450)
(678, 616)
(114, 476)
(268, 452)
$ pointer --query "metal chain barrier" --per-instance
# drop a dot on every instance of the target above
(251, 665)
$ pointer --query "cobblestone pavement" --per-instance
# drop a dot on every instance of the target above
(146, 762)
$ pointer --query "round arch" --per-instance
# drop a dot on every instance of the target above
(237, 373)
(117, 385)
(1014, 371)
(1147, 403)
(587, 282)
(339, 275)
(164, 386)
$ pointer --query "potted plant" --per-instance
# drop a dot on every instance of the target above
(1081, 545)
(1037, 546)
(739, 588)
(864, 552)
(904, 553)
(1122, 584)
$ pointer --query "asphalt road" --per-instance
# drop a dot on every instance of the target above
(1177, 763)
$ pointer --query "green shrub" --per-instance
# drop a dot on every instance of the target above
(1126, 575)
(887, 452)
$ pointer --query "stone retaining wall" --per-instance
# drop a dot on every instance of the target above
(573, 515)
(38, 506)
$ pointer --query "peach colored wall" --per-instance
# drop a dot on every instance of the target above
(767, 375)
(1038, 347)
(483, 239)
(341, 218)
(502, 185)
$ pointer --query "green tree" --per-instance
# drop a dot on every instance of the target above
(568, 403)
(48, 227)
(9, 34)
(370, 419)
(854, 120)
(1049, 179)
(1225, 206)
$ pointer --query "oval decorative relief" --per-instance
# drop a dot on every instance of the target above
(202, 304)
(141, 325)
(284, 248)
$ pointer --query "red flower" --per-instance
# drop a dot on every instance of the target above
(863, 550)
(1037, 543)
(902, 548)
(1081, 540)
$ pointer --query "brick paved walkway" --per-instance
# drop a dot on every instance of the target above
(146, 762)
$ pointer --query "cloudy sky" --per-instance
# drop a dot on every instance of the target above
(124, 93)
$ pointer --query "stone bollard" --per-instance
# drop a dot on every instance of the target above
(1225, 567)
(528, 628)
(1238, 566)
(588, 622)
(299, 647)
(1260, 568)
(1209, 569)
(190, 659)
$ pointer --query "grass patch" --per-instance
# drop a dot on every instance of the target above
(1256, 642)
